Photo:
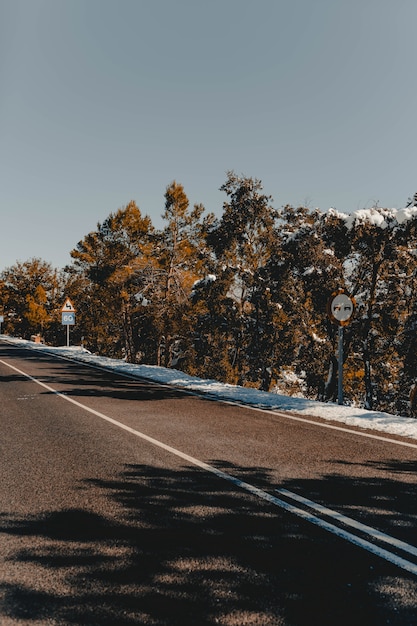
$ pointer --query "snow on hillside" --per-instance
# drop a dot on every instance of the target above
(374, 420)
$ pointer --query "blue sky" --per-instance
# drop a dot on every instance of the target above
(105, 101)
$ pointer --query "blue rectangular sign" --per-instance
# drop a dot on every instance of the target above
(68, 319)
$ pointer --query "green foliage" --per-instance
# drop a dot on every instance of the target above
(103, 279)
(242, 297)
(30, 294)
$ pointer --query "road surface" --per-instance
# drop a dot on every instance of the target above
(124, 502)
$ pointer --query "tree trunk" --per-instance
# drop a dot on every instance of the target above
(369, 400)
(330, 387)
(128, 336)
(266, 379)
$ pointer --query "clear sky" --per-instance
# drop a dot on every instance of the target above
(107, 101)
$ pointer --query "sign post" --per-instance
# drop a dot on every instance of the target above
(68, 317)
(340, 309)
(340, 366)
(1, 321)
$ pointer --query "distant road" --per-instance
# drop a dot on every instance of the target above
(124, 502)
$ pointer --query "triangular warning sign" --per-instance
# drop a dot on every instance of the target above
(68, 307)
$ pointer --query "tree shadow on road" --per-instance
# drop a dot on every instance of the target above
(93, 383)
(183, 548)
(388, 503)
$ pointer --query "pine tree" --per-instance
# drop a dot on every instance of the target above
(178, 265)
(406, 396)
(31, 292)
(242, 242)
(215, 315)
(105, 267)
(303, 272)
(377, 268)
(36, 312)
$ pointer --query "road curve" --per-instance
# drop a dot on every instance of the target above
(125, 502)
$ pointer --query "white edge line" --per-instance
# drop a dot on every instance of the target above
(362, 543)
(201, 393)
(312, 422)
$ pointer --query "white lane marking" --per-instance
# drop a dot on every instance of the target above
(348, 521)
(207, 394)
(312, 422)
(305, 515)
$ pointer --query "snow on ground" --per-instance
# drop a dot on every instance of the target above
(374, 420)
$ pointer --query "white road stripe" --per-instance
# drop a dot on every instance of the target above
(260, 493)
(207, 394)
(351, 431)
(348, 521)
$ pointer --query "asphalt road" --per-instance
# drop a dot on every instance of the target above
(124, 502)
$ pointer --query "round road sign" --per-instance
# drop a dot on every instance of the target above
(341, 307)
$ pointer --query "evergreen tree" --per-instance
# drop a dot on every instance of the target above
(32, 291)
(375, 271)
(178, 265)
(242, 242)
(214, 315)
(242, 297)
(303, 272)
(105, 265)
(36, 313)
(405, 392)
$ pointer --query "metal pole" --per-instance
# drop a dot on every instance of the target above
(340, 376)
(67, 335)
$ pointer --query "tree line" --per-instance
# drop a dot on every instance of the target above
(240, 298)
